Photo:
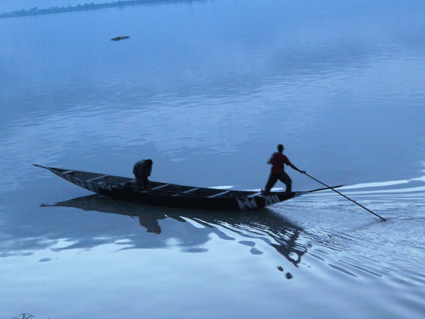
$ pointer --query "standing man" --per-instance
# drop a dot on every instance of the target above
(142, 170)
(278, 171)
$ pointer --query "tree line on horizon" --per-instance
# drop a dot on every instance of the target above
(83, 7)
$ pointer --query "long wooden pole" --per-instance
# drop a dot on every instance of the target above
(345, 196)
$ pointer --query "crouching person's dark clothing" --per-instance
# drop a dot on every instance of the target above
(142, 170)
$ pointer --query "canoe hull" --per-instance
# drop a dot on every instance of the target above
(172, 195)
(234, 203)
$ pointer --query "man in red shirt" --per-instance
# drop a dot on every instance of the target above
(278, 172)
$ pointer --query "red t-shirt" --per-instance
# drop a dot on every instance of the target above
(277, 160)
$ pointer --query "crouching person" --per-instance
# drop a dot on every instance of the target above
(142, 170)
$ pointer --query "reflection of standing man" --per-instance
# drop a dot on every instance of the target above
(142, 170)
(151, 224)
(278, 171)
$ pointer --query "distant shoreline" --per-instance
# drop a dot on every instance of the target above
(85, 7)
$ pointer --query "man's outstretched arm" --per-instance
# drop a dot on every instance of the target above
(295, 168)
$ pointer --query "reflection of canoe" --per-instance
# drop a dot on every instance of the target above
(274, 229)
(172, 195)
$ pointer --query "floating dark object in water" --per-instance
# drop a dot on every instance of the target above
(120, 38)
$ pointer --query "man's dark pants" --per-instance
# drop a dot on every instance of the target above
(274, 177)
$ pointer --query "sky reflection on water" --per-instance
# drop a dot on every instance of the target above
(340, 247)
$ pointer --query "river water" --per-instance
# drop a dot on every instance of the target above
(207, 89)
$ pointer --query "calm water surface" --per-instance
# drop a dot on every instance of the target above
(207, 90)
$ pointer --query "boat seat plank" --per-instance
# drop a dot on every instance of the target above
(254, 195)
(97, 178)
(158, 187)
(219, 194)
(191, 190)
(187, 191)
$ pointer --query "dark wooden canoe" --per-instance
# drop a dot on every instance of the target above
(172, 195)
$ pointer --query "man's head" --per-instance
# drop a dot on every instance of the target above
(280, 148)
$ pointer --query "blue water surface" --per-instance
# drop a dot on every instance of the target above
(207, 89)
